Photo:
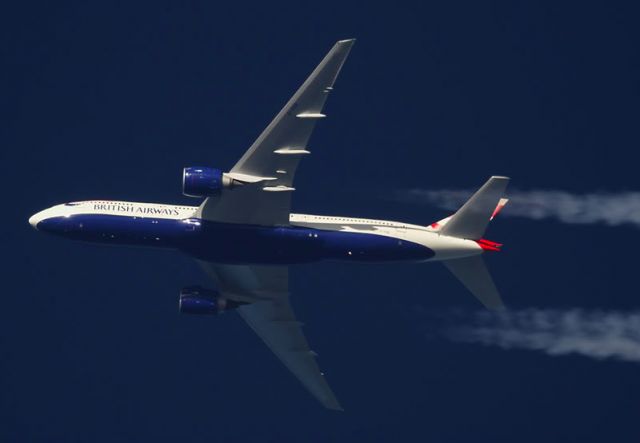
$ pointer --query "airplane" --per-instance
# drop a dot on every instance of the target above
(245, 237)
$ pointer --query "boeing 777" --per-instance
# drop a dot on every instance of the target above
(245, 236)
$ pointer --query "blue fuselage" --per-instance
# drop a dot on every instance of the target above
(236, 243)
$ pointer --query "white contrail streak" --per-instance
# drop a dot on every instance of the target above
(596, 334)
(612, 209)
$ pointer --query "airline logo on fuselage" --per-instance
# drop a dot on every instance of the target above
(135, 209)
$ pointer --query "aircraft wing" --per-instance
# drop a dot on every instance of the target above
(268, 167)
(269, 314)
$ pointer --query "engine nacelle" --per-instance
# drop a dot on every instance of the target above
(198, 181)
(201, 301)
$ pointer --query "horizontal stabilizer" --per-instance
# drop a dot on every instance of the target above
(473, 274)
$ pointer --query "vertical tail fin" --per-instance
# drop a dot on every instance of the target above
(471, 220)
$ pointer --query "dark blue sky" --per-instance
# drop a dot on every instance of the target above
(112, 100)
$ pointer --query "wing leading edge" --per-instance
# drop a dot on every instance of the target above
(269, 314)
(268, 167)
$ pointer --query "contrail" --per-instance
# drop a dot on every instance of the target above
(612, 209)
(595, 334)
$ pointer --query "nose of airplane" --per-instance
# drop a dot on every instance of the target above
(35, 219)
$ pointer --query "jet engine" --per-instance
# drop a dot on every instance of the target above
(200, 181)
(201, 301)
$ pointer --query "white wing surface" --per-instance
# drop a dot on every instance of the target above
(268, 167)
(269, 314)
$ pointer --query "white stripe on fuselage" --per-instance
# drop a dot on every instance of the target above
(156, 210)
(445, 247)
(121, 208)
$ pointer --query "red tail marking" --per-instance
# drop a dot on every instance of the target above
(501, 204)
(489, 245)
